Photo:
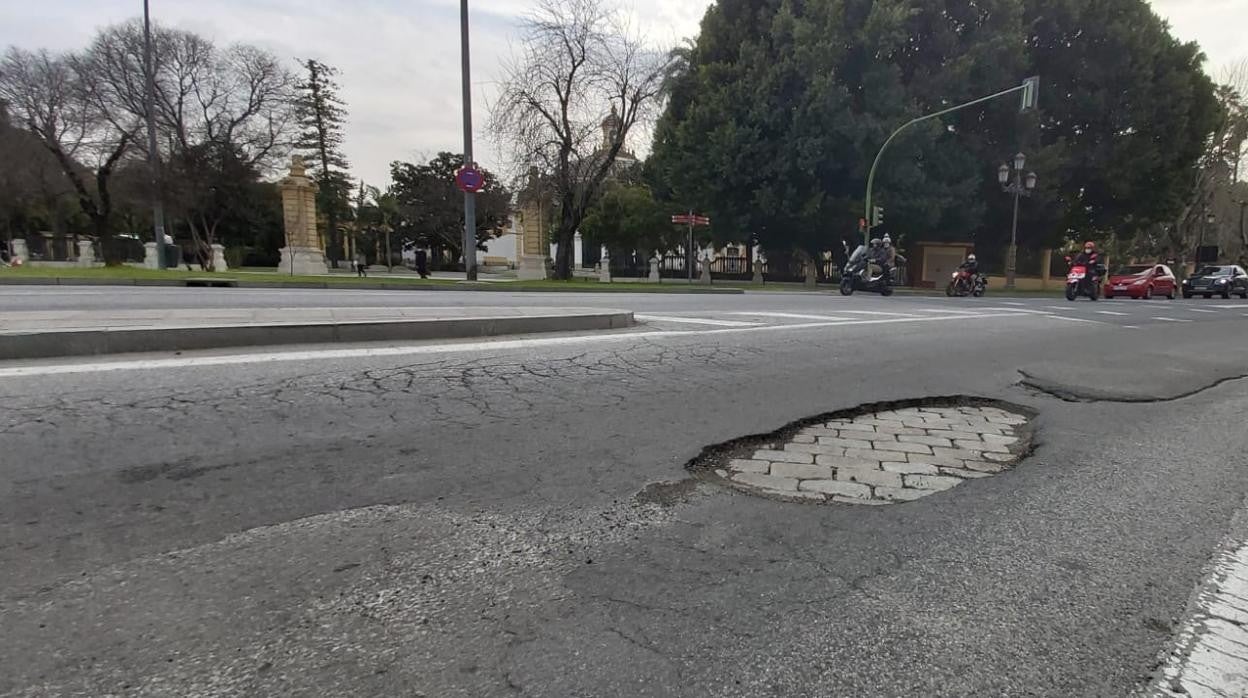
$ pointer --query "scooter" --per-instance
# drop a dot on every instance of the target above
(965, 283)
(1082, 281)
(857, 275)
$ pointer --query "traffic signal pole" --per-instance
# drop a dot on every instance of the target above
(1029, 85)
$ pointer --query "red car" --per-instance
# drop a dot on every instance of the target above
(1142, 281)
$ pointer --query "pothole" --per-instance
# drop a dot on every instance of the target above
(877, 454)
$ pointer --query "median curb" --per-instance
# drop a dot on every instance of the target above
(242, 282)
(89, 342)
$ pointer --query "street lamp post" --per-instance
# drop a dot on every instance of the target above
(470, 201)
(1022, 185)
(153, 158)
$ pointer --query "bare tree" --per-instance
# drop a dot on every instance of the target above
(580, 69)
(224, 114)
(50, 95)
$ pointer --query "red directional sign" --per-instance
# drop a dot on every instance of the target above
(690, 219)
(470, 179)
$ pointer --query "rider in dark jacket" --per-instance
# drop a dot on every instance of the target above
(970, 265)
(1089, 258)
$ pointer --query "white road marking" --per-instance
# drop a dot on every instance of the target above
(418, 349)
(1170, 319)
(1130, 327)
(1077, 319)
(1199, 310)
(1057, 307)
(1110, 312)
(695, 321)
(875, 312)
(793, 316)
(1209, 654)
(1236, 306)
(1011, 303)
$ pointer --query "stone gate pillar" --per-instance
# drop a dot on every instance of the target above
(303, 253)
(534, 220)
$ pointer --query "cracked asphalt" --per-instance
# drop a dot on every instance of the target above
(515, 518)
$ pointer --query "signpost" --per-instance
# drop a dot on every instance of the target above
(691, 220)
(469, 179)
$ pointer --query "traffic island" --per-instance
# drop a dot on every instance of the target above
(875, 455)
(37, 335)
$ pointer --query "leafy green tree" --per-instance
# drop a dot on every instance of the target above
(322, 118)
(431, 207)
(626, 219)
(776, 113)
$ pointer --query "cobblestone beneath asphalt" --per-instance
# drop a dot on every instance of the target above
(884, 457)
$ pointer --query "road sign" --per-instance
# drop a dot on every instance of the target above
(690, 219)
(470, 179)
(1031, 93)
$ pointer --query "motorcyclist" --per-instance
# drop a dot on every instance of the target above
(1089, 258)
(971, 265)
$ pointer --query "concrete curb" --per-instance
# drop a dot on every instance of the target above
(487, 287)
(38, 345)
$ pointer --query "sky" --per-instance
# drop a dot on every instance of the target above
(399, 59)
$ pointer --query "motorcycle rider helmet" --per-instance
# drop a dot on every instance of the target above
(970, 258)
(876, 242)
(1089, 246)
(887, 241)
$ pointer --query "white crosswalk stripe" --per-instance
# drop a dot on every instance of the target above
(695, 321)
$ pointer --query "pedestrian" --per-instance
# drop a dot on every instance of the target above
(422, 263)
(361, 264)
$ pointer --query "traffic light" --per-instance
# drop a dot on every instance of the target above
(1031, 93)
(877, 216)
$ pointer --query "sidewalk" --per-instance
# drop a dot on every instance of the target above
(43, 334)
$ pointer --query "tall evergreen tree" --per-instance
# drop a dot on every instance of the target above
(322, 117)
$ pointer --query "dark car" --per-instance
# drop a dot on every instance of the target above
(1223, 280)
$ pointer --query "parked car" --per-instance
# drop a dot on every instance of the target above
(1223, 280)
(1142, 281)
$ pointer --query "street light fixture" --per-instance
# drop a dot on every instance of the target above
(1022, 185)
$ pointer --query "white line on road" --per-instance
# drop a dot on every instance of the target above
(695, 321)
(1200, 310)
(1077, 319)
(875, 312)
(792, 316)
(1209, 655)
(456, 348)
(1110, 312)
(1011, 303)
(1236, 306)
(1130, 327)
(1170, 319)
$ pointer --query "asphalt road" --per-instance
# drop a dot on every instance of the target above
(481, 519)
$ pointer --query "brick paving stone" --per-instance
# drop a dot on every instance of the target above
(802, 438)
(838, 442)
(834, 487)
(999, 457)
(869, 477)
(1001, 439)
(900, 494)
(931, 482)
(994, 447)
(985, 467)
(804, 448)
(954, 435)
(870, 455)
(902, 447)
(802, 471)
(911, 468)
(863, 502)
(964, 473)
(925, 440)
(959, 453)
(784, 456)
(843, 462)
(851, 426)
(749, 466)
(790, 494)
(879, 422)
(768, 482)
(819, 431)
(899, 431)
(722, 473)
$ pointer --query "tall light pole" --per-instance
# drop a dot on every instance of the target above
(1021, 186)
(153, 158)
(470, 201)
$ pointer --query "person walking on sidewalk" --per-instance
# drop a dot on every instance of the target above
(361, 264)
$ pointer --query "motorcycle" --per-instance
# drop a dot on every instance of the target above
(859, 276)
(965, 283)
(1082, 281)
